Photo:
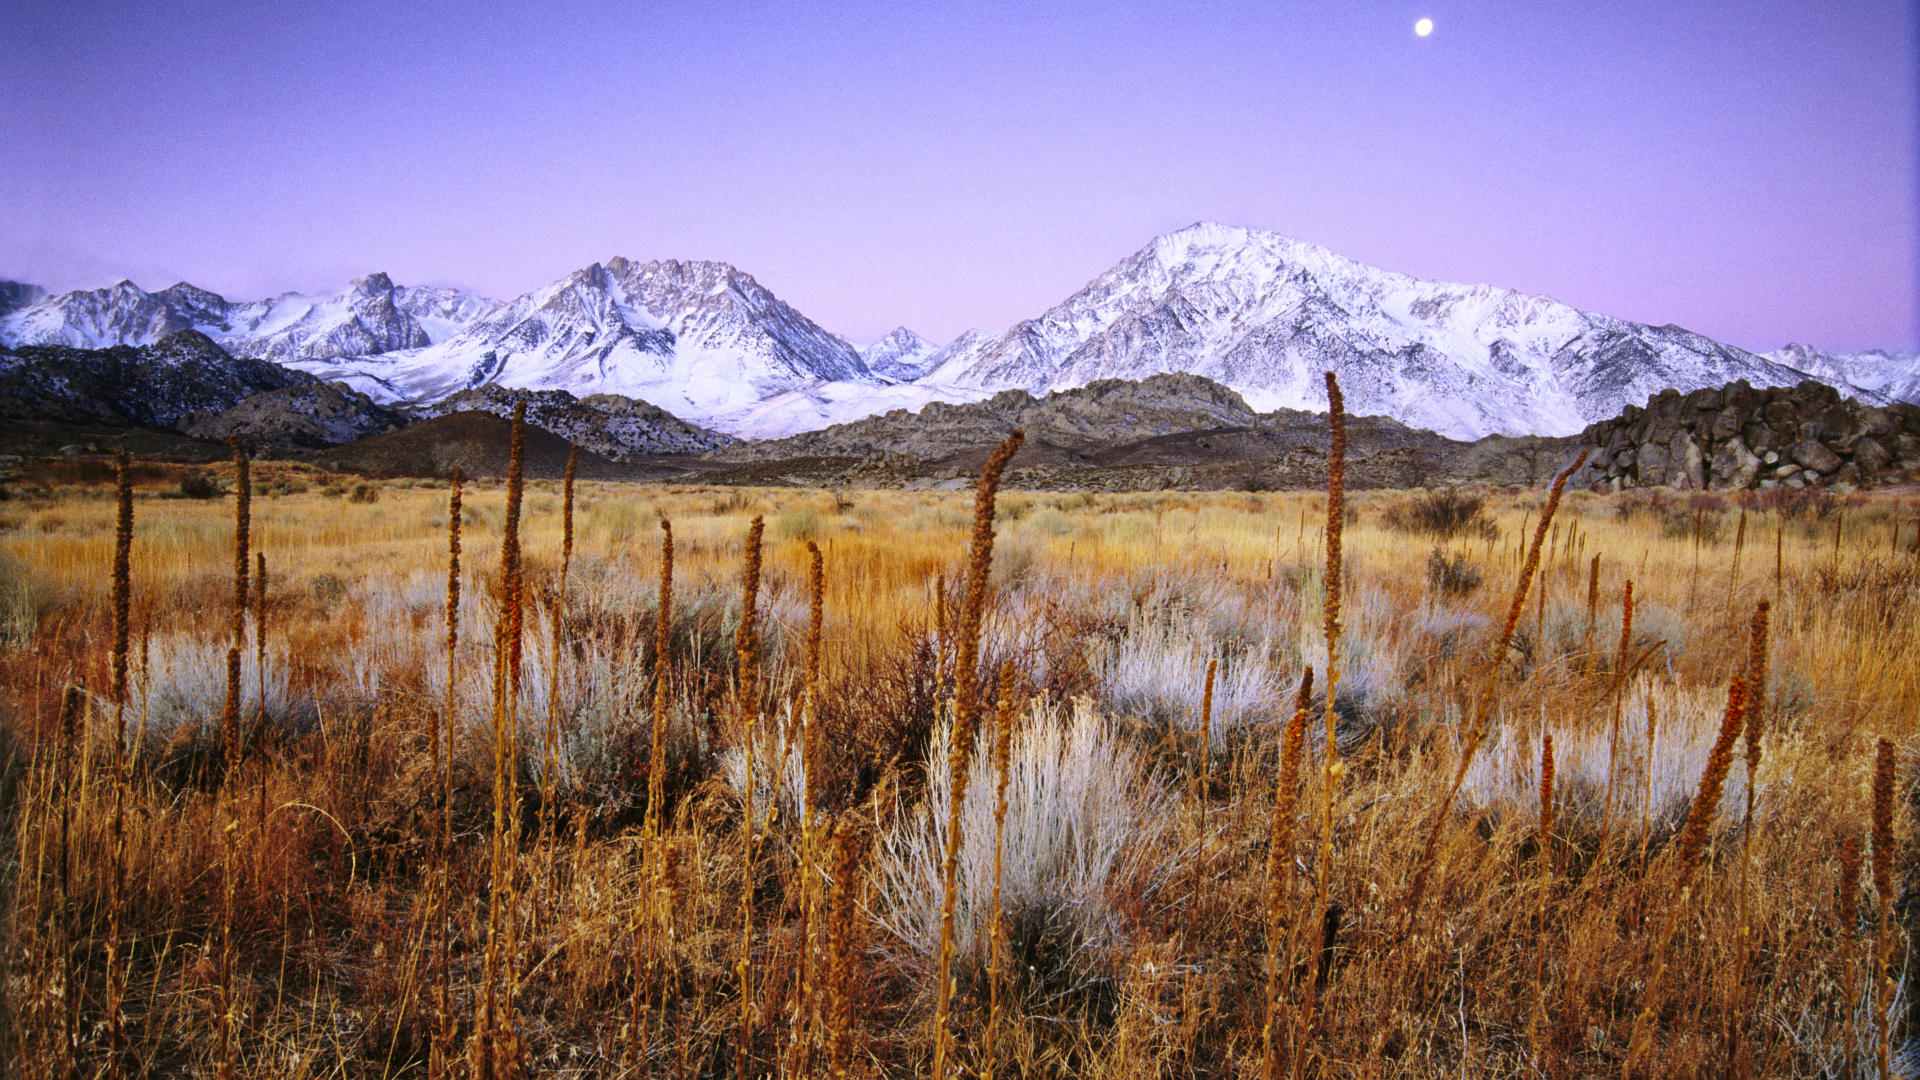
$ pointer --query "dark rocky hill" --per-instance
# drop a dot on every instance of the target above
(615, 427)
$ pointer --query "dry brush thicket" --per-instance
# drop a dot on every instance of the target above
(608, 780)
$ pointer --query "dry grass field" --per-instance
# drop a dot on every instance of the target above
(593, 838)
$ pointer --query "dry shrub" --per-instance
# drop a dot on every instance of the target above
(1083, 819)
(1444, 513)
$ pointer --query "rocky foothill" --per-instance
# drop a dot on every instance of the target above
(1736, 438)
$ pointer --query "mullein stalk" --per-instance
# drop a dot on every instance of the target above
(1286, 790)
(1483, 711)
(1544, 840)
(1621, 671)
(1883, 890)
(1754, 735)
(1199, 793)
(1332, 767)
(440, 1053)
(550, 758)
(997, 939)
(1689, 851)
(798, 1063)
(1850, 944)
(965, 721)
(649, 928)
(491, 1052)
(260, 678)
(841, 912)
(117, 957)
(242, 528)
(747, 648)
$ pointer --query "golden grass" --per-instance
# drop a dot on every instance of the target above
(316, 946)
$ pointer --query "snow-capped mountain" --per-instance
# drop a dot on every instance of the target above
(702, 340)
(1255, 311)
(1893, 375)
(369, 317)
(901, 356)
(1266, 315)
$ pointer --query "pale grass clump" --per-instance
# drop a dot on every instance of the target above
(184, 686)
(1151, 672)
(1084, 819)
(1650, 789)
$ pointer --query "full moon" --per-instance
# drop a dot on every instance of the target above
(1423, 27)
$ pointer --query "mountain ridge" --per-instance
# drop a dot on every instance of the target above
(1258, 312)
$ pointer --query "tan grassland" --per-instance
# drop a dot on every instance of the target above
(1021, 821)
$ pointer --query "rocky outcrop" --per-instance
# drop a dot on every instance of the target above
(1737, 437)
(1100, 414)
(155, 386)
(615, 427)
(314, 415)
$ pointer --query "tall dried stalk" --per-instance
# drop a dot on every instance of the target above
(260, 674)
(841, 912)
(1543, 837)
(117, 960)
(1280, 869)
(651, 918)
(1883, 890)
(1621, 672)
(70, 787)
(808, 738)
(440, 1053)
(493, 1052)
(1849, 942)
(1332, 767)
(551, 750)
(1593, 596)
(1739, 545)
(996, 930)
(242, 528)
(1756, 678)
(1688, 852)
(965, 720)
(747, 648)
(1483, 712)
(1198, 793)
(228, 1048)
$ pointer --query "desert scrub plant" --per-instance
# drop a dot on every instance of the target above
(1451, 573)
(184, 688)
(1151, 673)
(1444, 513)
(1653, 784)
(1084, 814)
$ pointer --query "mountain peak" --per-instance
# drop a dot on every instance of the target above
(373, 284)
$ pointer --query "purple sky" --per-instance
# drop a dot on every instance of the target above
(1743, 169)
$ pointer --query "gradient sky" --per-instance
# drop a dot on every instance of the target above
(1743, 169)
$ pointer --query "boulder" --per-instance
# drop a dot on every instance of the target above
(1812, 454)
(1871, 456)
(1696, 464)
(1760, 438)
(1734, 466)
(1654, 459)
(1725, 425)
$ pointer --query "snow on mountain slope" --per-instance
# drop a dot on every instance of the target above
(901, 356)
(701, 340)
(1892, 374)
(1265, 315)
(369, 317)
(1257, 312)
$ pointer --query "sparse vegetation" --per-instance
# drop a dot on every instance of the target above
(701, 827)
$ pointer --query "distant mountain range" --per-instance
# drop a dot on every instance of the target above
(1258, 313)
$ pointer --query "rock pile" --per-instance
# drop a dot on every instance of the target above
(1736, 437)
